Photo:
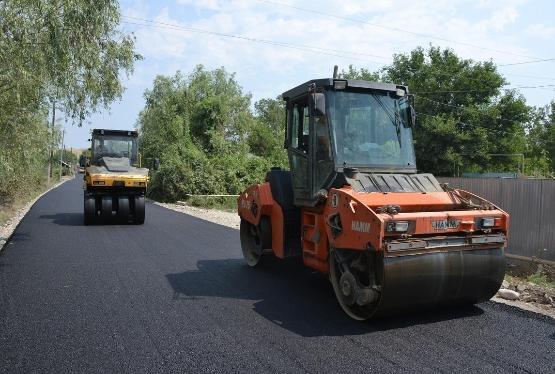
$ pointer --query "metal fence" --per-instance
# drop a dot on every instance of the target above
(531, 204)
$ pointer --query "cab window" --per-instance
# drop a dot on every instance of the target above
(300, 132)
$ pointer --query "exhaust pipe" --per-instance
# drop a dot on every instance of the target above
(335, 68)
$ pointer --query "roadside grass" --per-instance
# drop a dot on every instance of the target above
(539, 275)
(542, 279)
(8, 209)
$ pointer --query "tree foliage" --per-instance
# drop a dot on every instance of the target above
(540, 152)
(208, 141)
(466, 120)
(67, 53)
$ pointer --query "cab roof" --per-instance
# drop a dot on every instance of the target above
(351, 83)
(115, 132)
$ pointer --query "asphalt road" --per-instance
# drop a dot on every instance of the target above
(175, 296)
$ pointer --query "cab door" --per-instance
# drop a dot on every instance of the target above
(299, 149)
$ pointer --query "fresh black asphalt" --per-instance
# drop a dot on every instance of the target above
(174, 296)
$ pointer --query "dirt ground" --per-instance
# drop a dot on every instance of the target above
(538, 298)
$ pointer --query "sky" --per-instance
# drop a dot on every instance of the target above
(274, 45)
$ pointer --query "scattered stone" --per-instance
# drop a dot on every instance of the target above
(508, 294)
(229, 219)
(521, 288)
(505, 284)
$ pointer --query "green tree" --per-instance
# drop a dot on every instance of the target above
(65, 51)
(362, 74)
(540, 152)
(207, 139)
(464, 114)
(266, 136)
(64, 54)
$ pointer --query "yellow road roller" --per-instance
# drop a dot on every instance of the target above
(115, 183)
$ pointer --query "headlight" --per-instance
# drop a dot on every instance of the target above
(488, 222)
(397, 226)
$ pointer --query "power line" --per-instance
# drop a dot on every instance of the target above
(326, 51)
(468, 91)
(468, 124)
(391, 28)
(301, 47)
(468, 110)
(528, 62)
(530, 76)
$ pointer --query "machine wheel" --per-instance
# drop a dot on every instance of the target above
(106, 209)
(123, 209)
(358, 300)
(254, 239)
(139, 213)
(89, 211)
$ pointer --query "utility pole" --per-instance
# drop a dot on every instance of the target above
(51, 133)
(62, 153)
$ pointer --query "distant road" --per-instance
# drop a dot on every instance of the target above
(174, 296)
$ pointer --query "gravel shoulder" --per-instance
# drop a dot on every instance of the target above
(229, 219)
(8, 228)
(532, 298)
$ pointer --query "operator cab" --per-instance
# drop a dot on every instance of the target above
(350, 132)
(118, 144)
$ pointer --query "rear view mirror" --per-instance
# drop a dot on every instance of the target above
(318, 104)
(156, 164)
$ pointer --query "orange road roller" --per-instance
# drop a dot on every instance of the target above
(354, 206)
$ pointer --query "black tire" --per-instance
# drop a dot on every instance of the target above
(123, 209)
(106, 209)
(139, 213)
(89, 210)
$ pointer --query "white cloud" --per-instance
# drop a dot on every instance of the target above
(502, 17)
(201, 4)
(268, 68)
(539, 30)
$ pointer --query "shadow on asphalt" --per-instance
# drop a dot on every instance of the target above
(65, 219)
(293, 297)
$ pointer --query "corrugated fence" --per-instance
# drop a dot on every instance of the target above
(531, 204)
